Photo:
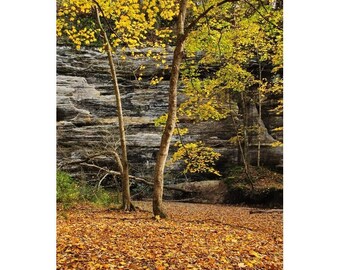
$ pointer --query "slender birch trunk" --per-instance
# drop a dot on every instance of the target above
(127, 204)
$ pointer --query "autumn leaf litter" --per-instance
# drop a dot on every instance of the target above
(196, 236)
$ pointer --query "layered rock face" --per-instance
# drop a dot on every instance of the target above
(87, 124)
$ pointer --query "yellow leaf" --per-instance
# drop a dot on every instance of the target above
(255, 254)
(249, 264)
(241, 265)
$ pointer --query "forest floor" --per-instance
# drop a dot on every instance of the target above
(195, 236)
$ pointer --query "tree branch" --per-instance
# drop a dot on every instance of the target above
(256, 10)
(203, 14)
(138, 179)
(102, 12)
(62, 163)
(101, 180)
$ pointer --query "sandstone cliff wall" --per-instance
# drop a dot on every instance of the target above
(87, 120)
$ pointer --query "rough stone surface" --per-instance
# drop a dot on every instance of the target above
(87, 118)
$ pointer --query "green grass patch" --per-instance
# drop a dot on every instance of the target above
(70, 192)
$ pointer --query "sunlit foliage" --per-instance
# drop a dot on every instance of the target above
(235, 42)
(197, 157)
(131, 23)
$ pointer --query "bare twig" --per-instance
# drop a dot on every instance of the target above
(101, 180)
(186, 150)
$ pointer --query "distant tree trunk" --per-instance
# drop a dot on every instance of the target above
(127, 204)
(158, 208)
(245, 112)
(245, 129)
(259, 132)
(259, 127)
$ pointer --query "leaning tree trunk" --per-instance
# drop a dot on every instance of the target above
(127, 204)
(182, 34)
(158, 209)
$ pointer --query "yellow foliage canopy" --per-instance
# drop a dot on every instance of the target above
(130, 21)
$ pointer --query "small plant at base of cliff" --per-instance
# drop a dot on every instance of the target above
(235, 177)
(69, 193)
(105, 198)
(99, 196)
(67, 190)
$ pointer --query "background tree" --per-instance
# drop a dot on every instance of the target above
(240, 64)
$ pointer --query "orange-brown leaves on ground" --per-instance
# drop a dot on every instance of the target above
(196, 236)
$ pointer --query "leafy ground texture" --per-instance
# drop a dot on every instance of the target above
(195, 236)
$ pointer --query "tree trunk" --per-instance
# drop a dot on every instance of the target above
(158, 208)
(245, 106)
(127, 204)
(245, 129)
(259, 130)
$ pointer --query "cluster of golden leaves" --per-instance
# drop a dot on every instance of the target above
(195, 237)
(131, 20)
(198, 157)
